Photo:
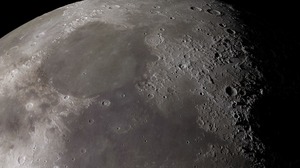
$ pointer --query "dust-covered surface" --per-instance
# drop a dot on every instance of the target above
(132, 84)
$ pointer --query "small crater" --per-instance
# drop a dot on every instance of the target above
(230, 31)
(21, 160)
(105, 103)
(214, 12)
(73, 159)
(183, 66)
(40, 35)
(222, 25)
(172, 18)
(217, 55)
(156, 7)
(150, 96)
(154, 12)
(91, 121)
(196, 49)
(193, 8)
(82, 150)
(29, 106)
(187, 142)
(233, 104)
(230, 91)
(162, 29)
(154, 40)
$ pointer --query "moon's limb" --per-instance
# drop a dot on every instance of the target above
(119, 84)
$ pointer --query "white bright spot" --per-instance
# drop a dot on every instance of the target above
(29, 106)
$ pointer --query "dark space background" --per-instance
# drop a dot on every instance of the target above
(16, 13)
(276, 115)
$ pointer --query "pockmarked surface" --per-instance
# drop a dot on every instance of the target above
(130, 84)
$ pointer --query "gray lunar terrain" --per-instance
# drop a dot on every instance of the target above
(131, 84)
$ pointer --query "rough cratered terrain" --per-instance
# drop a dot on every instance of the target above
(130, 84)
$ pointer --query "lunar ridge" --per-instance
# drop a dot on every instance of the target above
(131, 84)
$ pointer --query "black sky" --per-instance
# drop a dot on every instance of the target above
(16, 13)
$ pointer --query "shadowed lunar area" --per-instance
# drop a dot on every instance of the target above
(134, 84)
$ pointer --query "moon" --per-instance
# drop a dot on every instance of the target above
(131, 84)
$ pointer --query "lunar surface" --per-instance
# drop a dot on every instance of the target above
(131, 84)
